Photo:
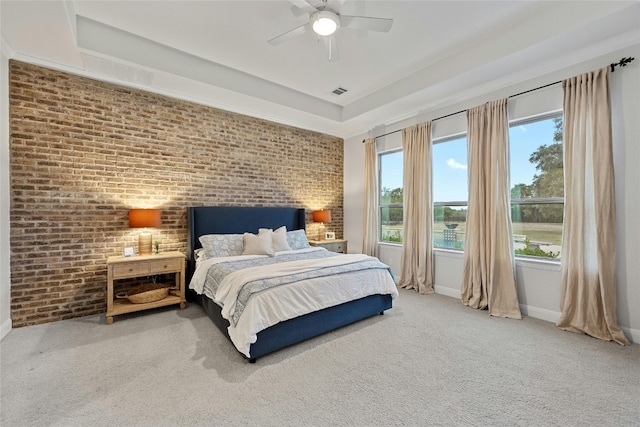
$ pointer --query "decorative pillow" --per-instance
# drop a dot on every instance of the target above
(259, 244)
(278, 238)
(199, 254)
(217, 245)
(297, 239)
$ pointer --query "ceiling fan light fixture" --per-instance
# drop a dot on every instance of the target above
(325, 23)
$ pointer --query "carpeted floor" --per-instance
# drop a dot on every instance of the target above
(428, 361)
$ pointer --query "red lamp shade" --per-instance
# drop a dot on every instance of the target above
(323, 215)
(141, 218)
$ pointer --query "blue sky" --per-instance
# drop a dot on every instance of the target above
(450, 161)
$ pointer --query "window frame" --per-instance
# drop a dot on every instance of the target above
(388, 205)
(458, 203)
(435, 204)
(535, 200)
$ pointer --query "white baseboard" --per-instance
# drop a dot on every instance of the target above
(552, 316)
(539, 313)
(6, 328)
(632, 334)
(450, 292)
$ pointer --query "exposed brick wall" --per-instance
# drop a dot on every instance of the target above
(83, 152)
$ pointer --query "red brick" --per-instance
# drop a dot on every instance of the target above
(84, 151)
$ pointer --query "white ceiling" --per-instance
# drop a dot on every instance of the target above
(215, 52)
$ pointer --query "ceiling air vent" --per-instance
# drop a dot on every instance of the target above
(339, 91)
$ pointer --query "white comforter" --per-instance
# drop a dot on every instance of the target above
(285, 302)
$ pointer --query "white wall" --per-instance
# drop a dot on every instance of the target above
(5, 275)
(538, 282)
(625, 106)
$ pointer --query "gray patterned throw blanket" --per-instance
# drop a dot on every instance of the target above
(233, 282)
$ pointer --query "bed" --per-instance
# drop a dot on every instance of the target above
(222, 220)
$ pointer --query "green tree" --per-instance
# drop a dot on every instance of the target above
(521, 191)
(396, 195)
(523, 213)
(388, 195)
(391, 215)
(547, 182)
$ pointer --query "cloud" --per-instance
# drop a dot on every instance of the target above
(455, 165)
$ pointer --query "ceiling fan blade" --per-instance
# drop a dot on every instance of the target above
(366, 23)
(333, 5)
(331, 48)
(297, 12)
(287, 36)
(302, 5)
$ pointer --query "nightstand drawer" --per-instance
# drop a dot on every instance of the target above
(336, 247)
(131, 269)
(161, 266)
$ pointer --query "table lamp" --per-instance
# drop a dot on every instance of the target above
(144, 218)
(322, 216)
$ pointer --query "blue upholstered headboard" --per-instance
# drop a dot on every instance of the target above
(203, 220)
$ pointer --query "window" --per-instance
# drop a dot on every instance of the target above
(450, 192)
(537, 186)
(537, 189)
(390, 175)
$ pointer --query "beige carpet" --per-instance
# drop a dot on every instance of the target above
(428, 361)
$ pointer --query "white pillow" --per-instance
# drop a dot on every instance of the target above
(259, 244)
(278, 238)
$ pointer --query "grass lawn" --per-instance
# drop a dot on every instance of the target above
(537, 232)
(550, 233)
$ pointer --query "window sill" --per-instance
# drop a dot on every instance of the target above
(538, 263)
(452, 253)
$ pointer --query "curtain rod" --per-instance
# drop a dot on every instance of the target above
(622, 63)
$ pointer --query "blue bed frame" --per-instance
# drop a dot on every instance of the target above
(237, 220)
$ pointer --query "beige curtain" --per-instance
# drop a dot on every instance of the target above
(588, 303)
(488, 276)
(417, 256)
(370, 221)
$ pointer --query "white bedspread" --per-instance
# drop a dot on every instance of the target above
(285, 302)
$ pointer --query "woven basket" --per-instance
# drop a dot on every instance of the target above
(148, 292)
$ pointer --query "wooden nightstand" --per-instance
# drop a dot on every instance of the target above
(336, 245)
(119, 267)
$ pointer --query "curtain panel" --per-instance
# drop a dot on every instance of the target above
(489, 263)
(370, 220)
(588, 303)
(417, 247)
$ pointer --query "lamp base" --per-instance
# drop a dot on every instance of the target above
(321, 231)
(144, 244)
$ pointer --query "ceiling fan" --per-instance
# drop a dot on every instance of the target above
(325, 20)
